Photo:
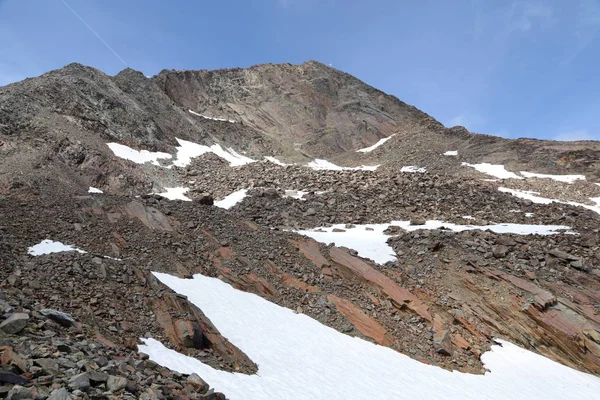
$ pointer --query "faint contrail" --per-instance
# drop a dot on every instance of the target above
(94, 32)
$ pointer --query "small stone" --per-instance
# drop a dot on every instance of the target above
(500, 251)
(418, 221)
(199, 383)
(15, 323)
(310, 211)
(442, 343)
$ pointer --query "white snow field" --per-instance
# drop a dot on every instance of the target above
(319, 164)
(376, 145)
(372, 243)
(137, 156)
(50, 246)
(412, 168)
(451, 153)
(176, 193)
(559, 178)
(94, 190)
(298, 358)
(495, 170)
(533, 197)
(188, 150)
(232, 199)
(213, 118)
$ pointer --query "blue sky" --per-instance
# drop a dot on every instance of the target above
(523, 68)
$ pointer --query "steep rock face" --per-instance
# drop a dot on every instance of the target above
(323, 110)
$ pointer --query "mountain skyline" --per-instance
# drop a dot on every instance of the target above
(520, 69)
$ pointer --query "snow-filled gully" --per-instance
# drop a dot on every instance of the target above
(299, 358)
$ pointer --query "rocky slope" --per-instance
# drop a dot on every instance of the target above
(442, 299)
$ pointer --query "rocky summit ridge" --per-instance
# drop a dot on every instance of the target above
(249, 176)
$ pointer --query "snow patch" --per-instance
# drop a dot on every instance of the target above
(494, 170)
(451, 153)
(94, 190)
(372, 244)
(50, 246)
(559, 178)
(468, 217)
(176, 193)
(319, 164)
(412, 168)
(212, 118)
(376, 145)
(137, 156)
(188, 150)
(301, 359)
(295, 194)
(276, 161)
(232, 199)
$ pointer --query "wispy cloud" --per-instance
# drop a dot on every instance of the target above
(575, 135)
(587, 27)
(528, 14)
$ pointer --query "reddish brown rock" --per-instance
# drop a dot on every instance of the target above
(362, 322)
(542, 297)
(11, 359)
(310, 249)
(400, 296)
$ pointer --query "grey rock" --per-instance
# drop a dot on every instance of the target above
(15, 323)
(195, 380)
(80, 382)
(62, 318)
(115, 383)
(21, 393)
(500, 251)
(60, 394)
(98, 376)
(49, 366)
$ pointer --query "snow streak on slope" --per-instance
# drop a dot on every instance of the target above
(276, 161)
(494, 170)
(298, 358)
(319, 164)
(559, 178)
(372, 243)
(376, 145)
(50, 246)
(232, 199)
(212, 118)
(533, 197)
(137, 156)
(412, 168)
(451, 153)
(94, 190)
(188, 150)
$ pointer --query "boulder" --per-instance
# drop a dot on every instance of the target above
(15, 323)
